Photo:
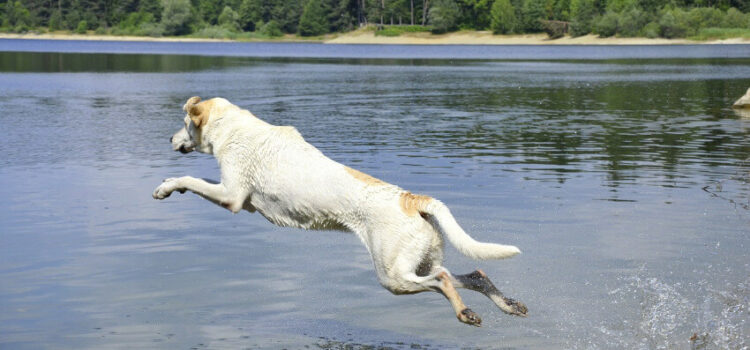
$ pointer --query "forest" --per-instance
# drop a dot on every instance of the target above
(237, 19)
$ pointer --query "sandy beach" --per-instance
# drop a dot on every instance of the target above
(369, 37)
(487, 38)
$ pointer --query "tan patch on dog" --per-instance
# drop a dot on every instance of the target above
(199, 112)
(364, 177)
(412, 204)
(191, 102)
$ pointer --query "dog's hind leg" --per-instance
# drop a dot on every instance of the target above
(442, 282)
(478, 281)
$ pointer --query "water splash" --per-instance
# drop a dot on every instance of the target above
(682, 316)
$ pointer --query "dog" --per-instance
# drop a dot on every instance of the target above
(274, 171)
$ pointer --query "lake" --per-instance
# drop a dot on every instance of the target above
(621, 173)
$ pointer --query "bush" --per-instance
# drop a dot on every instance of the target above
(388, 31)
(650, 30)
(100, 31)
(672, 24)
(313, 21)
(703, 17)
(82, 27)
(271, 29)
(21, 28)
(229, 19)
(151, 29)
(443, 15)
(606, 25)
(215, 32)
(631, 22)
(734, 19)
(555, 29)
(398, 30)
(503, 17)
(721, 33)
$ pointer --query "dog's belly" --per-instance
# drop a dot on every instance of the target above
(309, 216)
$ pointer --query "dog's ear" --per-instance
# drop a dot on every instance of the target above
(197, 112)
(191, 102)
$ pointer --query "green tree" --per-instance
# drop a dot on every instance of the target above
(55, 21)
(250, 14)
(313, 21)
(503, 17)
(210, 10)
(532, 12)
(342, 16)
(673, 24)
(606, 25)
(560, 10)
(271, 29)
(229, 19)
(618, 6)
(582, 13)
(151, 6)
(631, 22)
(82, 27)
(287, 13)
(475, 14)
(176, 17)
(443, 15)
(734, 19)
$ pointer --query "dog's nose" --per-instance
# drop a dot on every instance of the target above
(170, 139)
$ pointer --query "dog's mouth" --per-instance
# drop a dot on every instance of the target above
(184, 149)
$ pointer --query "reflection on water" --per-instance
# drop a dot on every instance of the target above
(623, 181)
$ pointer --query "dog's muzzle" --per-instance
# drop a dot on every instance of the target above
(183, 150)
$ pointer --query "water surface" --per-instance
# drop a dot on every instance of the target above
(624, 181)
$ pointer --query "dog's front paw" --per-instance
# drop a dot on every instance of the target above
(166, 188)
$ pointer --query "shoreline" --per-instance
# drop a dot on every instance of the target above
(369, 37)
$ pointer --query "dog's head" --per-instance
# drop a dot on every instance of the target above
(189, 138)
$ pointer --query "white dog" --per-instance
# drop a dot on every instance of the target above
(273, 170)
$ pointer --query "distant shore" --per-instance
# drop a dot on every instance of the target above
(369, 37)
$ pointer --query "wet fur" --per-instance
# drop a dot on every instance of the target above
(274, 171)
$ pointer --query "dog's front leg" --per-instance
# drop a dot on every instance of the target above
(216, 193)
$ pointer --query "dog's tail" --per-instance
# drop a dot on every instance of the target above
(442, 219)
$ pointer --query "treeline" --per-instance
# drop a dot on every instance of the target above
(235, 18)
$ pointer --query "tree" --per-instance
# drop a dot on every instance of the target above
(503, 17)
(151, 6)
(82, 27)
(250, 14)
(342, 15)
(210, 10)
(474, 13)
(176, 17)
(606, 25)
(229, 19)
(582, 13)
(313, 21)
(443, 15)
(533, 12)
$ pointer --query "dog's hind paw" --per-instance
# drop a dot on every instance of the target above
(469, 317)
(515, 307)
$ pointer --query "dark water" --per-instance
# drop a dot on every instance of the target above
(624, 181)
